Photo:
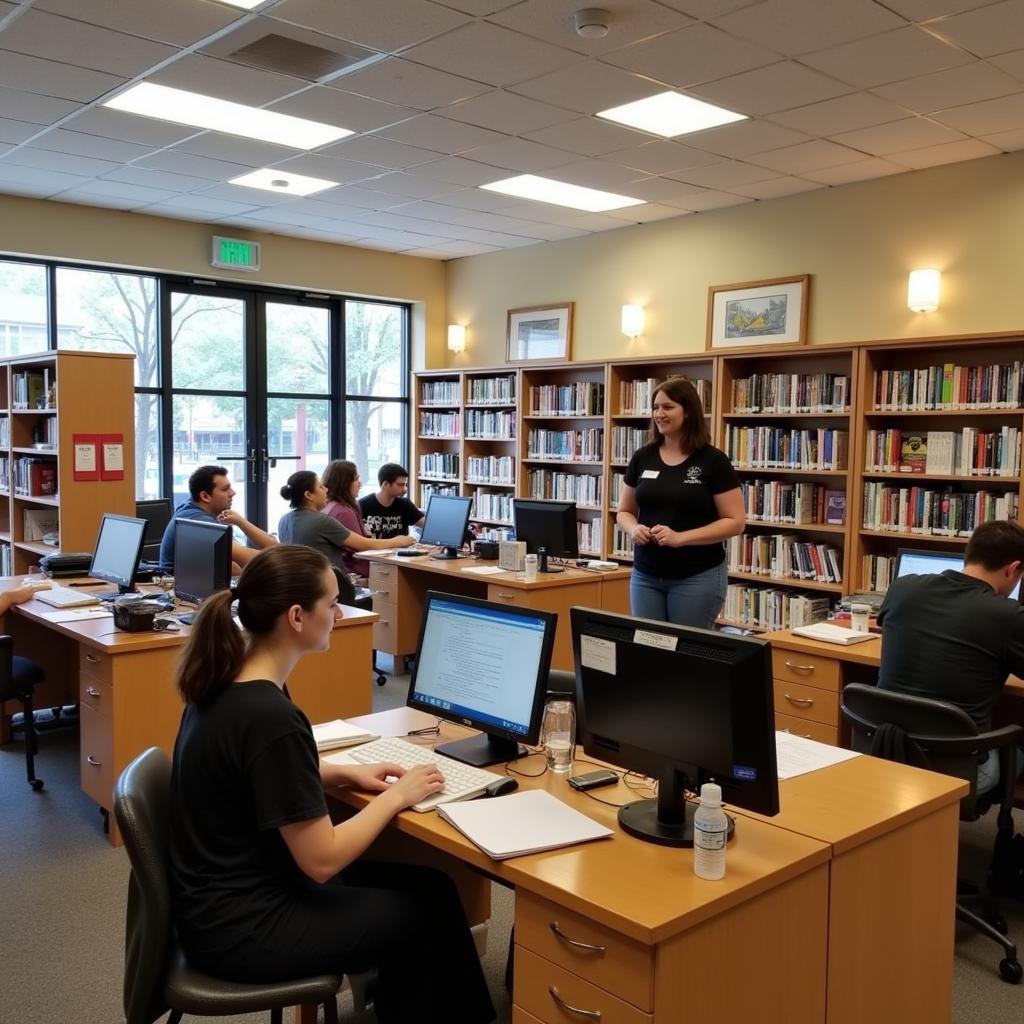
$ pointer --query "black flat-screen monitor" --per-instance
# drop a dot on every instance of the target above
(683, 705)
(444, 524)
(548, 528)
(157, 513)
(118, 550)
(919, 562)
(483, 665)
(202, 559)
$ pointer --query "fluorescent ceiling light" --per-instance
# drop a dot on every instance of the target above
(670, 114)
(561, 193)
(283, 181)
(246, 5)
(199, 111)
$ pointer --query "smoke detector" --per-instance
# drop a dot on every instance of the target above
(591, 23)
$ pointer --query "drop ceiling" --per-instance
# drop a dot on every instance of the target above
(446, 96)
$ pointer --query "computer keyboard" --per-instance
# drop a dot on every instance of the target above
(461, 781)
(65, 597)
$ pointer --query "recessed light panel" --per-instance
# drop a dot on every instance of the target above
(561, 193)
(283, 182)
(192, 108)
(246, 5)
(670, 114)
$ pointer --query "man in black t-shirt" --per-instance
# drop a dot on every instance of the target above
(955, 636)
(389, 513)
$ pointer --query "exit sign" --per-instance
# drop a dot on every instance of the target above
(235, 254)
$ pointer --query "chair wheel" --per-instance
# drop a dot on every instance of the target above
(1011, 971)
(36, 784)
(381, 679)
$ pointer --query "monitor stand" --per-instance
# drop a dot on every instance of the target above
(668, 820)
(544, 563)
(482, 750)
(446, 554)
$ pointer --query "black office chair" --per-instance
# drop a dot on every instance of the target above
(18, 680)
(940, 737)
(157, 977)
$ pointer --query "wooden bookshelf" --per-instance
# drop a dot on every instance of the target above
(436, 394)
(492, 423)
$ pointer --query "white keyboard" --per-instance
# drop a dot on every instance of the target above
(65, 597)
(461, 781)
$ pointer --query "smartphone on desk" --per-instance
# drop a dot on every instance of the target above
(593, 780)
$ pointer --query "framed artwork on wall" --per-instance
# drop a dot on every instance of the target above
(754, 313)
(539, 334)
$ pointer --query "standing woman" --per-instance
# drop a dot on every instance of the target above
(264, 887)
(680, 500)
(341, 480)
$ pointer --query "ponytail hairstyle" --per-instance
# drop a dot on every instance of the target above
(337, 478)
(274, 581)
(298, 484)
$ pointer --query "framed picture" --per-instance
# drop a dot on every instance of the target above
(539, 334)
(759, 313)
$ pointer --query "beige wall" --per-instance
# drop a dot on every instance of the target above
(859, 242)
(33, 227)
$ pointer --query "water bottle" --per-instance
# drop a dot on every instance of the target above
(710, 830)
(558, 734)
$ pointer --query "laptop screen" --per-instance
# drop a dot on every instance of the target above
(920, 563)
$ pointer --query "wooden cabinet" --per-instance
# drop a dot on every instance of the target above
(807, 694)
(399, 606)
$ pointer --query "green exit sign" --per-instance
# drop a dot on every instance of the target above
(235, 254)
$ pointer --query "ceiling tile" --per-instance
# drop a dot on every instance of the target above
(489, 53)
(743, 137)
(249, 197)
(793, 27)
(283, 214)
(890, 57)
(399, 220)
(344, 109)
(85, 197)
(725, 174)
(914, 133)
(589, 87)
(32, 181)
(647, 213)
(404, 183)
(412, 85)
(699, 53)
(660, 157)
(924, 10)
(114, 124)
(1007, 142)
(371, 149)
(315, 165)
(662, 190)
(362, 197)
(481, 200)
(16, 132)
(195, 166)
(589, 136)
(197, 208)
(808, 156)
(73, 42)
(5, 147)
(157, 179)
(382, 24)
(775, 188)
(60, 141)
(455, 170)
(952, 88)
(1011, 63)
(182, 23)
(712, 199)
(250, 152)
(986, 118)
(123, 190)
(597, 174)
(213, 77)
(707, 9)
(439, 134)
(843, 114)
(506, 112)
(952, 152)
(478, 8)
(37, 110)
(48, 78)
(65, 163)
(766, 90)
(988, 31)
(847, 173)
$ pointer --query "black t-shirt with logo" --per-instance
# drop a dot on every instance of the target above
(682, 498)
(393, 521)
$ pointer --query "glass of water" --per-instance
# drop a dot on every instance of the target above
(558, 734)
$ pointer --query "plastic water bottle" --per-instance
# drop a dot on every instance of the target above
(710, 830)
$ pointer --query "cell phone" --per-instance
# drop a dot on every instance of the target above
(592, 780)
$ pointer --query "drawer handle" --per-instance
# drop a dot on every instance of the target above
(92, 760)
(800, 702)
(586, 1014)
(586, 947)
(383, 572)
(384, 622)
(505, 597)
(92, 659)
(91, 692)
(798, 668)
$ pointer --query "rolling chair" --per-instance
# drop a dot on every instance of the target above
(940, 737)
(18, 680)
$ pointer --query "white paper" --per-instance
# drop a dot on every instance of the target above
(76, 614)
(338, 733)
(651, 639)
(797, 755)
(598, 654)
(484, 570)
(650, 474)
(113, 456)
(85, 458)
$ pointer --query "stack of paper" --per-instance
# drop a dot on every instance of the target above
(331, 735)
(797, 755)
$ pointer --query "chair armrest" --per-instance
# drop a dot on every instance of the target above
(1006, 737)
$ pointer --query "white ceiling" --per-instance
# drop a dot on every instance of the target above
(450, 94)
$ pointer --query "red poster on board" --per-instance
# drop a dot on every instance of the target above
(111, 448)
(87, 457)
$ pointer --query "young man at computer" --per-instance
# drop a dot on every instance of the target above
(211, 494)
(389, 513)
(955, 636)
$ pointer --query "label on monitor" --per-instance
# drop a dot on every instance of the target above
(598, 654)
(650, 639)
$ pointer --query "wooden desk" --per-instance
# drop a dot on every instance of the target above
(400, 585)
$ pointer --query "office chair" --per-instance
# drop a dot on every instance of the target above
(157, 977)
(940, 737)
(18, 680)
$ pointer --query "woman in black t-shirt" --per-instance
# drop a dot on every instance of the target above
(680, 499)
(265, 888)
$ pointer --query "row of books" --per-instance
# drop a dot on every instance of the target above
(876, 572)
(780, 448)
(784, 556)
(492, 390)
(949, 386)
(926, 510)
(766, 608)
(439, 424)
(588, 533)
(583, 488)
(967, 452)
(6, 560)
(625, 441)
(566, 445)
(34, 389)
(36, 478)
(637, 396)
(622, 543)
(445, 464)
(440, 392)
(5, 431)
(5, 474)
(791, 393)
(783, 501)
(491, 469)
(491, 532)
(490, 426)
(618, 479)
(427, 490)
(581, 398)
(492, 505)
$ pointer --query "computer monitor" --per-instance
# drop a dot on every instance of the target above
(548, 528)
(157, 513)
(483, 665)
(118, 550)
(683, 705)
(445, 524)
(921, 563)
(202, 559)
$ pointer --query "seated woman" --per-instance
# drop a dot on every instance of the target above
(265, 887)
(341, 478)
(305, 523)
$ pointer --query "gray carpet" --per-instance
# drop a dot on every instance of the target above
(62, 923)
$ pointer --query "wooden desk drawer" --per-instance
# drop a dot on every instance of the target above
(96, 694)
(383, 581)
(97, 664)
(508, 595)
(806, 668)
(808, 702)
(96, 755)
(385, 629)
(520, 1016)
(808, 729)
(554, 996)
(617, 964)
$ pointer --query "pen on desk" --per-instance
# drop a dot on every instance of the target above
(89, 583)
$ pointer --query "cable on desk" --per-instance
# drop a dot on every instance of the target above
(509, 770)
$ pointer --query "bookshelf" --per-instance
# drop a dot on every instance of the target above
(437, 422)
(492, 429)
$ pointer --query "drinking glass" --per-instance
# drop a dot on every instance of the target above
(558, 734)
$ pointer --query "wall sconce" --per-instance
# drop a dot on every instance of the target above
(457, 337)
(632, 321)
(923, 291)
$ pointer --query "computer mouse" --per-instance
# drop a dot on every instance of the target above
(501, 786)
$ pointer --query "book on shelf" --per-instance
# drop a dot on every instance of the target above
(566, 445)
(970, 451)
(36, 478)
(637, 396)
(931, 510)
(492, 390)
(768, 608)
(439, 392)
(38, 522)
(791, 393)
(784, 501)
(949, 386)
(784, 557)
(835, 508)
(581, 398)
(765, 447)
(913, 453)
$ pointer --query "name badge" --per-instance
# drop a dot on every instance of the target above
(650, 474)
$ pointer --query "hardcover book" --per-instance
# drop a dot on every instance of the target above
(835, 508)
(913, 453)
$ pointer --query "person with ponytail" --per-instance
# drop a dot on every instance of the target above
(342, 483)
(305, 524)
(264, 887)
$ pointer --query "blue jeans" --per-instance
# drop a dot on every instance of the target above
(693, 601)
(988, 770)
